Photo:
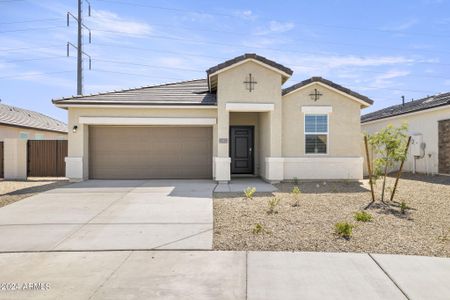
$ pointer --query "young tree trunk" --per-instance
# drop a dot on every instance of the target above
(384, 182)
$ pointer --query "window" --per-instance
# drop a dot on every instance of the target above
(23, 135)
(39, 136)
(316, 134)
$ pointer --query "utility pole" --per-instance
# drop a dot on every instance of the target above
(79, 46)
(80, 50)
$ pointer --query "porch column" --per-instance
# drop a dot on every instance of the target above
(274, 163)
(222, 161)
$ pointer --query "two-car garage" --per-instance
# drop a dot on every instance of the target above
(150, 152)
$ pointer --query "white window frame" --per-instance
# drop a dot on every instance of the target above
(317, 133)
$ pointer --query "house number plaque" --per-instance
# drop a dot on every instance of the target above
(223, 141)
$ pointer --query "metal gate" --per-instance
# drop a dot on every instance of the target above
(46, 158)
(1, 159)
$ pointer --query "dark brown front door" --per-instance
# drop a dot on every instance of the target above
(241, 149)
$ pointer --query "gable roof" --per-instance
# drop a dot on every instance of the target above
(409, 107)
(246, 56)
(330, 83)
(14, 116)
(193, 92)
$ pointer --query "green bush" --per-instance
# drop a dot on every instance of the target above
(249, 192)
(295, 179)
(344, 229)
(296, 193)
(273, 203)
(403, 207)
(258, 228)
(363, 216)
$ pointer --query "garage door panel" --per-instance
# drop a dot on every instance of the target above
(150, 152)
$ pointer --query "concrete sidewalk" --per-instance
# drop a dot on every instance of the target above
(225, 275)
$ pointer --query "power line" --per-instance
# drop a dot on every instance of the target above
(146, 65)
(33, 59)
(28, 48)
(35, 74)
(31, 29)
(343, 27)
(31, 21)
(259, 47)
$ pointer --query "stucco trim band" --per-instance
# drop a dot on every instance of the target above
(317, 109)
(250, 107)
(145, 121)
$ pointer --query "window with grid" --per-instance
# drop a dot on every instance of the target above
(316, 134)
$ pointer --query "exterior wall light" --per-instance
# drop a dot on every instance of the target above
(74, 129)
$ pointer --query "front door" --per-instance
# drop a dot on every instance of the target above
(241, 149)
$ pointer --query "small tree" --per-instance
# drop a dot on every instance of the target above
(390, 147)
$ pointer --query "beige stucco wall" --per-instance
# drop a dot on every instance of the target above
(78, 141)
(425, 123)
(14, 133)
(344, 123)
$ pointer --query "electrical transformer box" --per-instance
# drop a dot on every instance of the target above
(416, 145)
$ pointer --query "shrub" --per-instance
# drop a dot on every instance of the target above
(257, 229)
(249, 192)
(344, 229)
(403, 207)
(363, 216)
(296, 193)
(273, 203)
(295, 179)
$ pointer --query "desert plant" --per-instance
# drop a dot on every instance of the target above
(389, 145)
(403, 207)
(258, 228)
(363, 216)
(344, 229)
(295, 180)
(296, 193)
(249, 192)
(273, 204)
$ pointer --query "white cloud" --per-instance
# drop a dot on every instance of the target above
(245, 14)
(402, 26)
(104, 21)
(276, 27)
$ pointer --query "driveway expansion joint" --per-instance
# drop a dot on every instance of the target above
(390, 277)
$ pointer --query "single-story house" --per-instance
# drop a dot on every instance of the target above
(25, 124)
(428, 121)
(237, 121)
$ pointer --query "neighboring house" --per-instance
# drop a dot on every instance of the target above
(29, 125)
(237, 121)
(428, 121)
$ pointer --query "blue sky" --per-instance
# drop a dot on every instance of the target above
(382, 49)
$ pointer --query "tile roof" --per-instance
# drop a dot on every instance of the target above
(193, 92)
(408, 107)
(249, 56)
(329, 83)
(11, 115)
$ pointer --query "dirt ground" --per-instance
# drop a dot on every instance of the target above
(423, 230)
(12, 191)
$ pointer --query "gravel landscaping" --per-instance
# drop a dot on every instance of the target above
(243, 224)
(12, 191)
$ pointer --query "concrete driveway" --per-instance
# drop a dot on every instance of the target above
(112, 215)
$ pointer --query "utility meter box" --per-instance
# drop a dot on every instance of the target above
(416, 144)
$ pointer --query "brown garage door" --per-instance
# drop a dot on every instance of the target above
(444, 147)
(150, 152)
